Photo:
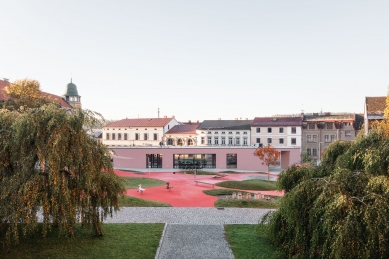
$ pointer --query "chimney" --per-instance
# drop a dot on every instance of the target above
(219, 119)
(198, 121)
(189, 122)
(173, 117)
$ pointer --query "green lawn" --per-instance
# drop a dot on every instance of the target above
(254, 184)
(234, 203)
(218, 192)
(132, 182)
(246, 244)
(119, 241)
(129, 201)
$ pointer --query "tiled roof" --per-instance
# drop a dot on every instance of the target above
(151, 122)
(329, 118)
(225, 124)
(58, 99)
(276, 121)
(184, 129)
(375, 105)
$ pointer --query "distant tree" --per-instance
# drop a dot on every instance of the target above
(268, 155)
(307, 159)
(48, 163)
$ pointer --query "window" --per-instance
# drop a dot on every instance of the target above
(145, 136)
(309, 151)
(155, 136)
(314, 152)
(238, 132)
(231, 160)
(223, 140)
(119, 136)
(269, 140)
(281, 130)
(216, 140)
(281, 140)
(237, 140)
(190, 142)
(216, 132)
(125, 136)
(326, 138)
(268, 130)
(245, 132)
(309, 138)
(209, 140)
(311, 126)
(314, 138)
(332, 138)
(107, 136)
(202, 132)
(346, 124)
(180, 142)
(202, 140)
(170, 142)
(136, 136)
(113, 136)
(209, 132)
(245, 141)
(230, 141)
(258, 130)
(293, 141)
(294, 130)
(258, 140)
(330, 125)
(347, 133)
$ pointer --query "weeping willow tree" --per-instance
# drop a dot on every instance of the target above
(50, 168)
(340, 208)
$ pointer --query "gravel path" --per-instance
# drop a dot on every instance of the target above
(191, 216)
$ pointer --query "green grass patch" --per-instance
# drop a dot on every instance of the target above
(129, 201)
(219, 192)
(246, 244)
(235, 203)
(132, 182)
(254, 184)
(120, 241)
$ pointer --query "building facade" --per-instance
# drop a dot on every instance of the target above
(320, 130)
(181, 135)
(374, 109)
(137, 132)
(224, 133)
(276, 131)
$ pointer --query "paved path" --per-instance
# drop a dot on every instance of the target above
(190, 232)
(190, 216)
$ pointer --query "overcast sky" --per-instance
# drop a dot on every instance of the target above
(201, 60)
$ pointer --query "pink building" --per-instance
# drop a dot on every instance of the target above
(233, 158)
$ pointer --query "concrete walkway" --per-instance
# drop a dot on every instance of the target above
(190, 232)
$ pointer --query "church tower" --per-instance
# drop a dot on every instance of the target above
(71, 95)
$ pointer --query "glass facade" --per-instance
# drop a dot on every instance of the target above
(154, 160)
(232, 160)
(192, 161)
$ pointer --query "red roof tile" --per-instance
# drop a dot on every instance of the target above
(151, 122)
(375, 105)
(276, 121)
(184, 129)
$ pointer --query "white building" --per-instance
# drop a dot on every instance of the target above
(137, 132)
(224, 133)
(276, 131)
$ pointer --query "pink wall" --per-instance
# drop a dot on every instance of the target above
(135, 157)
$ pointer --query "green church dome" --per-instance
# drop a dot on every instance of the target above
(71, 89)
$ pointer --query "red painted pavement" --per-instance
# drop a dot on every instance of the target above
(185, 192)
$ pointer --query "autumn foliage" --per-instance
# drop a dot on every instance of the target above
(268, 156)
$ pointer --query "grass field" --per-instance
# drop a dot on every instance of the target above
(129, 201)
(119, 241)
(255, 184)
(246, 244)
(132, 182)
